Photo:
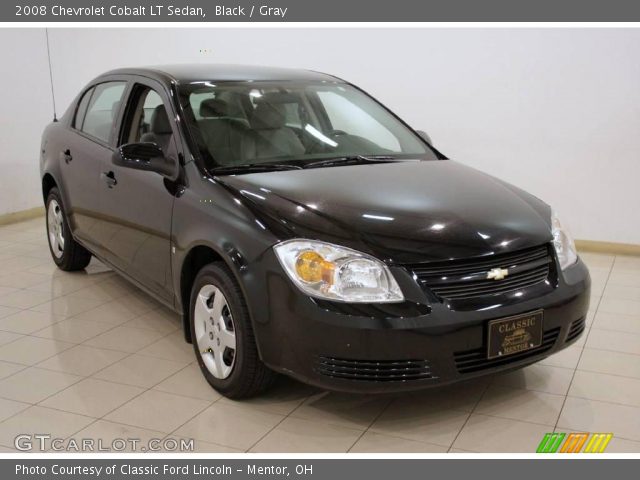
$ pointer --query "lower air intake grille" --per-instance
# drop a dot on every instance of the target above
(374, 370)
(475, 360)
(577, 327)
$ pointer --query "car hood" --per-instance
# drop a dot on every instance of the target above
(401, 212)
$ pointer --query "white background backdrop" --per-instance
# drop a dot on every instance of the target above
(554, 111)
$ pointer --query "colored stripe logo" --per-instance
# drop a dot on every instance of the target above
(582, 442)
(598, 442)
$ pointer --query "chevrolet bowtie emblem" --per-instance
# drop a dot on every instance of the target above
(497, 273)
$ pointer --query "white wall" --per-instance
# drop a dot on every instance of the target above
(25, 108)
(554, 111)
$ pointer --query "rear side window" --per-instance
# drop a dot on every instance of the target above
(82, 109)
(101, 110)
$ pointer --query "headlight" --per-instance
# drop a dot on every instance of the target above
(562, 242)
(337, 273)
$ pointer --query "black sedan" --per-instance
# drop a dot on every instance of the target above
(298, 226)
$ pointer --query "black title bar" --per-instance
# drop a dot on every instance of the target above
(320, 11)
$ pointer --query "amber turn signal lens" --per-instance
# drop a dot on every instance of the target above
(311, 267)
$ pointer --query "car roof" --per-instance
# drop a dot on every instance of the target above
(185, 73)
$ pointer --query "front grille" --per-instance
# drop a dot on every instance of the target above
(475, 360)
(467, 278)
(375, 370)
(577, 327)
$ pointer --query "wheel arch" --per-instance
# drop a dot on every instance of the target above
(48, 182)
(197, 257)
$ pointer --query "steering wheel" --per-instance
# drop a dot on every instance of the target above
(337, 133)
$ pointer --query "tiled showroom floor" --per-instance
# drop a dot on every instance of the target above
(86, 355)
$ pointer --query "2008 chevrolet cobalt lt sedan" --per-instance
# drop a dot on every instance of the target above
(298, 226)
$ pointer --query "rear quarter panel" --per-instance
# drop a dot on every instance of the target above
(55, 135)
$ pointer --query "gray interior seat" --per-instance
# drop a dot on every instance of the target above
(272, 137)
(240, 102)
(160, 132)
(224, 131)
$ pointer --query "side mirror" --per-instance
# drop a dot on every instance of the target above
(144, 156)
(425, 136)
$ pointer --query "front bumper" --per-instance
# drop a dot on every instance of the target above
(397, 347)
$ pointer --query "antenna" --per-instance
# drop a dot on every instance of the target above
(53, 96)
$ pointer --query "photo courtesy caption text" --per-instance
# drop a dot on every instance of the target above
(133, 470)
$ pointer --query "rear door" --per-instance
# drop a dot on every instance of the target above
(137, 205)
(85, 148)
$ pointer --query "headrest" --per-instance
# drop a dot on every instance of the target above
(214, 107)
(277, 97)
(160, 121)
(268, 116)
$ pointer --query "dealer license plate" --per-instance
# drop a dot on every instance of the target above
(511, 335)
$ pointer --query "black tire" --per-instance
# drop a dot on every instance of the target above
(72, 256)
(249, 376)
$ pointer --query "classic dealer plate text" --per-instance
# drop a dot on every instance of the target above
(507, 336)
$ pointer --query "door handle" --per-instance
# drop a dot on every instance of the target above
(67, 156)
(109, 178)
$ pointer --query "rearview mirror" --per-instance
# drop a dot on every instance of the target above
(144, 156)
(425, 136)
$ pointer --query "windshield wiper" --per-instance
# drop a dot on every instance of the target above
(350, 159)
(253, 168)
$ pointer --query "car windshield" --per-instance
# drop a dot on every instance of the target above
(292, 123)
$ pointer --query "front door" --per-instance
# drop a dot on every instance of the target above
(137, 205)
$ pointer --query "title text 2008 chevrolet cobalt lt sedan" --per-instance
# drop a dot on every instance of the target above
(299, 226)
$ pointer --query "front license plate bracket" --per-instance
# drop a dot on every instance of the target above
(515, 334)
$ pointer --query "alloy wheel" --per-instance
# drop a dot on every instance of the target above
(55, 225)
(215, 331)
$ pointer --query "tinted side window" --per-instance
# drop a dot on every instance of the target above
(82, 109)
(151, 109)
(102, 109)
(145, 117)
